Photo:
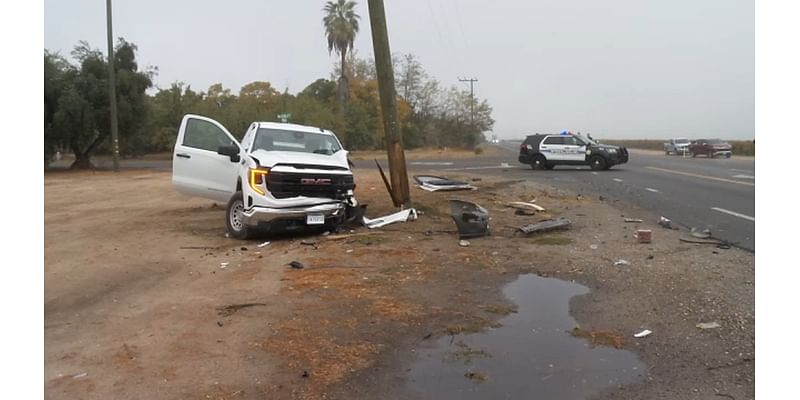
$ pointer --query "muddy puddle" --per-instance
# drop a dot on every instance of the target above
(532, 355)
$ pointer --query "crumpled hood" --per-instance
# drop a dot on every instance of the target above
(271, 158)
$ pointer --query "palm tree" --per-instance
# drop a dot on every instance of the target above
(341, 26)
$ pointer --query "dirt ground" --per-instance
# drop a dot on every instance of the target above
(139, 303)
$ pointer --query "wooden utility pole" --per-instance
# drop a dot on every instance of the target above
(471, 99)
(391, 127)
(112, 89)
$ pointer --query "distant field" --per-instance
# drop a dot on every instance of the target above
(740, 147)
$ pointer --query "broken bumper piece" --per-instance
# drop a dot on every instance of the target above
(401, 216)
(471, 219)
(546, 225)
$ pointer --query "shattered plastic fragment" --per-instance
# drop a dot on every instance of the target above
(643, 333)
(471, 219)
(708, 325)
(621, 262)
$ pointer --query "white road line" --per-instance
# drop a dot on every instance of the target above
(470, 168)
(742, 170)
(617, 180)
(735, 214)
(713, 178)
(594, 173)
(745, 177)
(430, 163)
(652, 190)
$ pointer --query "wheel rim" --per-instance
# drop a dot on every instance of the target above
(597, 162)
(235, 216)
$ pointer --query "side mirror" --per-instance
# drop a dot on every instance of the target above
(231, 151)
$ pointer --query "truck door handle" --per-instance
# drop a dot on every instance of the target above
(183, 155)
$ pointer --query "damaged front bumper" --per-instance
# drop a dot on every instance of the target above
(264, 215)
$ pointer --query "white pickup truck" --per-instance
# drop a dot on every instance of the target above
(280, 177)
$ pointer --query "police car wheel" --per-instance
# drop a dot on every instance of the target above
(538, 162)
(597, 163)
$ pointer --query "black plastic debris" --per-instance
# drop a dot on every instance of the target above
(546, 225)
(471, 219)
(296, 265)
(432, 183)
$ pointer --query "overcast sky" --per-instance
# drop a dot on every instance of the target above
(615, 68)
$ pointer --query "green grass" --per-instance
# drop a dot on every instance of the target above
(740, 147)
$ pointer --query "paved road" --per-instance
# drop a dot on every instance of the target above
(718, 194)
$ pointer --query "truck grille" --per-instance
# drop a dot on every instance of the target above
(283, 185)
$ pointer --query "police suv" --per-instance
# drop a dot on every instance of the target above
(547, 151)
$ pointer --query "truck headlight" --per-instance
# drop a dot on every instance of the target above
(612, 151)
(256, 178)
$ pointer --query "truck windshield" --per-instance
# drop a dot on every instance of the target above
(287, 140)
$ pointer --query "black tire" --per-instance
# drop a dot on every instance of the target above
(538, 162)
(236, 227)
(691, 153)
(549, 165)
(668, 152)
(597, 163)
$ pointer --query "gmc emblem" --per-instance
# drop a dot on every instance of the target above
(314, 181)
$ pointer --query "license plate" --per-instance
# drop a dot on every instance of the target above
(315, 219)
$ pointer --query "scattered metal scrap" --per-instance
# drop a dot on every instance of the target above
(471, 219)
(432, 183)
(633, 220)
(546, 225)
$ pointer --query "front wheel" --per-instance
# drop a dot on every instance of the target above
(234, 218)
(597, 163)
(538, 162)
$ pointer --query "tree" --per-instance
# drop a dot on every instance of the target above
(77, 111)
(341, 26)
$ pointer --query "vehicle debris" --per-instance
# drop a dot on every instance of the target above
(708, 325)
(463, 243)
(296, 265)
(82, 375)
(644, 235)
(226, 311)
(432, 183)
(263, 244)
(593, 246)
(621, 262)
(643, 333)
(223, 265)
(471, 219)
(400, 216)
(633, 220)
(521, 205)
(309, 242)
(696, 240)
(546, 225)
(665, 222)
(704, 234)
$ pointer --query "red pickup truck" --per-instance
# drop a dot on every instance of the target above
(710, 148)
